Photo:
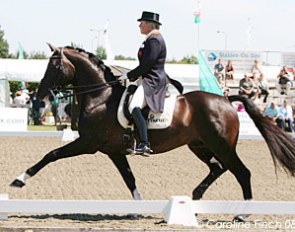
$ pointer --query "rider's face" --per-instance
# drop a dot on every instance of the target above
(145, 28)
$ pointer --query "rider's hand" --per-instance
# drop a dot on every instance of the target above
(123, 77)
(132, 78)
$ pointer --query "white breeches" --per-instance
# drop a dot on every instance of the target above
(137, 99)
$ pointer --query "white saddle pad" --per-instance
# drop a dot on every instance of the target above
(154, 120)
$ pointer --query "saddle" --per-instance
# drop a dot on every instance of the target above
(154, 120)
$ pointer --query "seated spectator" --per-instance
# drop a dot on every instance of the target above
(229, 71)
(225, 90)
(219, 69)
(285, 81)
(272, 111)
(285, 117)
(247, 87)
(263, 87)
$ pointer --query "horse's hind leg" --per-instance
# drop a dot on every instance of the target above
(216, 170)
(77, 147)
(242, 174)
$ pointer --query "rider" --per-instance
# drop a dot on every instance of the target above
(153, 79)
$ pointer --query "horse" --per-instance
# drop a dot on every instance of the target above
(207, 123)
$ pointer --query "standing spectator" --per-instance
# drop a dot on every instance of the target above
(219, 70)
(54, 107)
(36, 104)
(229, 71)
(21, 98)
(285, 82)
(247, 87)
(256, 70)
(272, 111)
(263, 87)
(286, 117)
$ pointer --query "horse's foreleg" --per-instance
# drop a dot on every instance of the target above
(77, 147)
(123, 167)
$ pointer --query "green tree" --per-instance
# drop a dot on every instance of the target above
(101, 53)
(121, 57)
(189, 60)
(38, 55)
(4, 47)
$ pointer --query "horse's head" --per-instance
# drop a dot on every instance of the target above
(60, 72)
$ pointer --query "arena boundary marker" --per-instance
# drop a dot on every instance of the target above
(178, 210)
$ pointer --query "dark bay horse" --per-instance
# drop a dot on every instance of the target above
(206, 122)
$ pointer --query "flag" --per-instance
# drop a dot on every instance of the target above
(108, 48)
(21, 56)
(20, 51)
(197, 15)
(207, 80)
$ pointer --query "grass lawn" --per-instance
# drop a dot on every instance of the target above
(42, 128)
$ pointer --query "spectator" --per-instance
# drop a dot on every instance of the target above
(54, 107)
(286, 117)
(272, 111)
(229, 71)
(256, 70)
(225, 90)
(247, 87)
(285, 82)
(263, 87)
(219, 70)
(36, 104)
(21, 98)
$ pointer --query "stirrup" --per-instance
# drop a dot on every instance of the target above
(143, 149)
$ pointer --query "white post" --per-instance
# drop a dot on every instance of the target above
(180, 211)
(3, 197)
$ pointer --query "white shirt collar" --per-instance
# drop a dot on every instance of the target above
(150, 33)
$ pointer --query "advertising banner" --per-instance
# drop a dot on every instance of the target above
(288, 59)
(13, 119)
(242, 60)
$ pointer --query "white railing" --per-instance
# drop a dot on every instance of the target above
(178, 210)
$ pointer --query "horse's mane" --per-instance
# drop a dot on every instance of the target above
(109, 76)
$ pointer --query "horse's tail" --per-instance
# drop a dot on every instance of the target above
(280, 144)
(176, 84)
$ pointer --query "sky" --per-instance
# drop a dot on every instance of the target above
(61, 22)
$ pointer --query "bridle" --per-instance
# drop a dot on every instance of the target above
(60, 68)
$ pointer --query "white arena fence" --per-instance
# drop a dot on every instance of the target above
(178, 210)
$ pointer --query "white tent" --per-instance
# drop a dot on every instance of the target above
(22, 70)
(18, 70)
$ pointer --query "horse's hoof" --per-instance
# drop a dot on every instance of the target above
(17, 184)
(238, 219)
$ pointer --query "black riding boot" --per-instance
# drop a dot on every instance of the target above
(143, 147)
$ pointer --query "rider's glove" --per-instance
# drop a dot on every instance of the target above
(132, 78)
(123, 77)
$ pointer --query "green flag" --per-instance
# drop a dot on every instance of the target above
(207, 80)
(20, 51)
(197, 19)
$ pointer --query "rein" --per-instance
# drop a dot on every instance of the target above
(99, 87)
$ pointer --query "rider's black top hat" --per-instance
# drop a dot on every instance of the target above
(150, 16)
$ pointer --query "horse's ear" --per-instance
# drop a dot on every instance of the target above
(52, 48)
